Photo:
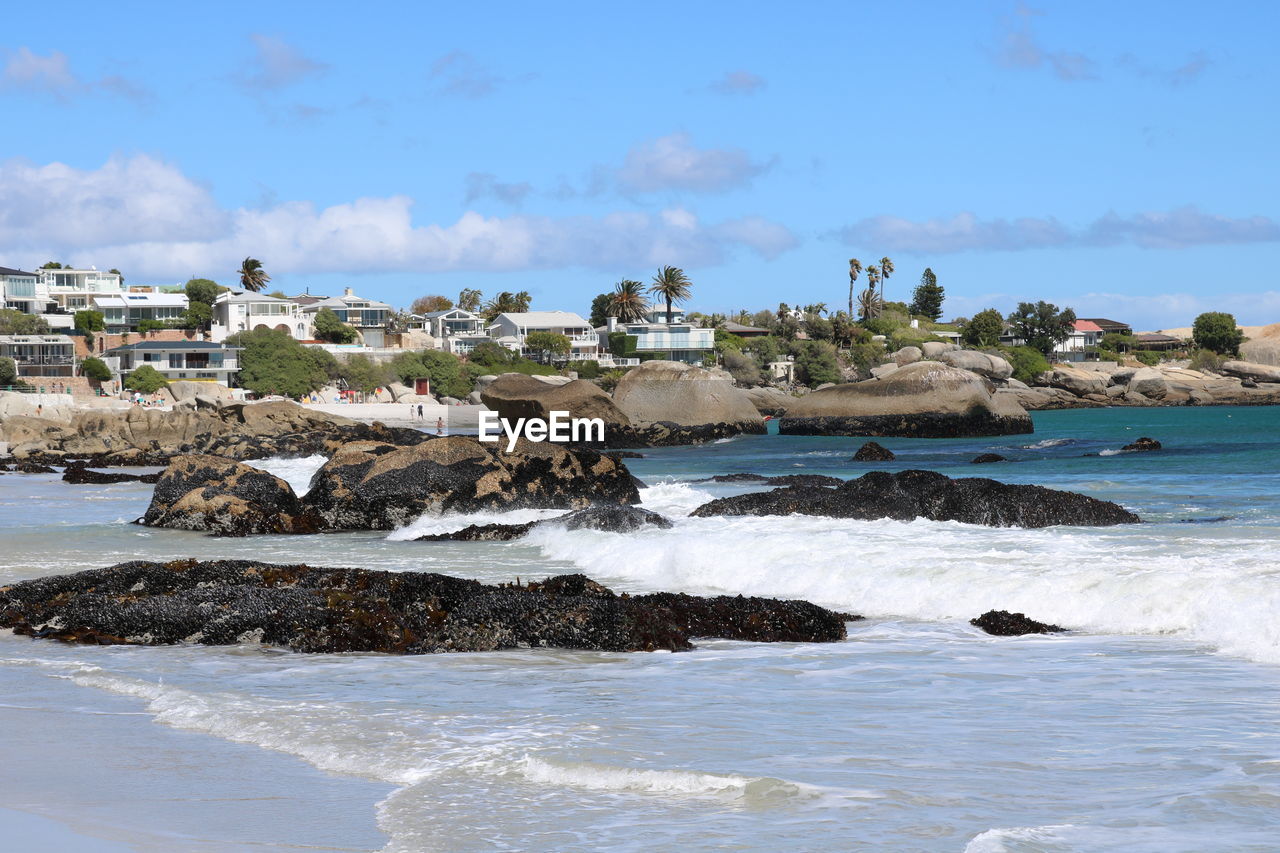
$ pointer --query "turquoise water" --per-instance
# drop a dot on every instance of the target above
(1153, 725)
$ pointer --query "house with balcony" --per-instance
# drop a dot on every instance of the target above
(457, 330)
(65, 291)
(192, 360)
(18, 291)
(366, 316)
(679, 340)
(511, 329)
(40, 356)
(123, 312)
(237, 311)
(1080, 345)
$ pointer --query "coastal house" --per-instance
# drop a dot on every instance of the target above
(457, 330)
(1158, 341)
(366, 316)
(123, 312)
(744, 331)
(66, 291)
(40, 356)
(511, 329)
(18, 291)
(1109, 326)
(243, 311)
(1080, 345)
(679, 340)
(194, 360)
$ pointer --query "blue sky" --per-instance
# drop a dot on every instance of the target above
(1118, 158)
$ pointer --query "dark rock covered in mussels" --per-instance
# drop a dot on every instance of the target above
(310, 609)
(1002, 623)
(873, 452)
(907, 495)
(1143, 444)
(613, 519)
(228, 498)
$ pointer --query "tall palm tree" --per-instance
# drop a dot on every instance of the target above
(873, 281)
(627, 302)
(672, 285)
(469, 299)
(252, 275)
(886, 270)
(507, 302)
(855, 267)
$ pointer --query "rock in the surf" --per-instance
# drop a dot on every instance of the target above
(908, 495)
(1002, 623)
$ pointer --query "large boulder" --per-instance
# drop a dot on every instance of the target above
(184, 389)
(906, 355)
(309, 609)
(981, 363)
(927, 399)
(226, 498)
(375, 486)
(933, 349)
(768, 399)
(1263, 350)
(1148, 382)
(909, 495)
(1077, 380)
(611, 519)
(671, 392)
(1249, 370)
(517, 395)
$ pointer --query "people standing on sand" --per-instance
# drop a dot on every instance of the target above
(439, 426)
(421, 416)
(412, 412)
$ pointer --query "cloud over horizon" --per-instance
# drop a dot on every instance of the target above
(1181, 227)
(673, 162)
(146, 217)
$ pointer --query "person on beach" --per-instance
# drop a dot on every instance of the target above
(421, 416)
(412, 412)
(439, 426)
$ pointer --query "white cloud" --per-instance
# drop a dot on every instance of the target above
(27, 71)
(674, 163)
(147, 218)
(1175, 229)
(486, 185)
(738, 83)
(276, 64)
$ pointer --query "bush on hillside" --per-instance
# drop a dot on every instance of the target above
(1028, 362)
(145, 379)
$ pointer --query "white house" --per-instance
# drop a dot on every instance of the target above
(40, 355)
(1083, 341)
(18, 291)
(124, 311)
(457, 330)
(196, 360)
(71, 290)
(511, 330)
(243, 311)
(679, 340)
(367, 316)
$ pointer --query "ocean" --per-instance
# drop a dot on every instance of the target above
(1153, 725)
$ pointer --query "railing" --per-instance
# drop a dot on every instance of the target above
(45, 360)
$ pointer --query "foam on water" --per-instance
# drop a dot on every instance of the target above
(296, 471)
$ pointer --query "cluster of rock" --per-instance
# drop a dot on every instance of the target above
(1069, 386)
(310, 609)
(908, 495)
(613, 519)
(369, 485)
(233, 430)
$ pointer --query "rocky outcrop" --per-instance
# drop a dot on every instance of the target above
(981, 363)
(310, 609)
(673, 393)
(923, 400)
(516, 395)
(80, 475)
(1002, 623)
(151, 437)
(1076, 380)
(225, 498)
(1148, 382)
(611, 519)
(783, 480)
(933, 349)
(373, 486)
(873, 452)
(769, 400)
(987, 458)
(1249, 370)
(1143, 444)
(906, 355)
(909, 495)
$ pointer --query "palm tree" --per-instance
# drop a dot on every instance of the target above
(886, 270)
(672, 285)
(855, 267)
(627, 302)
(507, 302)
(873, 281)
(469, 299)
(869, 303)
(252, 275)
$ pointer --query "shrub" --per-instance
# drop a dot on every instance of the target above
(146, 379)
(145, 326)
(1207, 360)
(1028, 362)
(363, 374)
(1217, 331)
(589, 369)
(329, 328)
(726, 341)
(984, 329)
(272, 362)
(1148, 357)
(742, 368)
(609, 379)
(95, 369)
(491, 354)
(547, 344)
(763, 350)
(8, 372)
(864, 356)
(816, 363)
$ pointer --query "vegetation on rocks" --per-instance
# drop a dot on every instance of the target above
(145, 379)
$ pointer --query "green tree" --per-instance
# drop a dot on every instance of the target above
(95, 369)
(1116, 342)
(1042, 325)
(886, 270)
(671, 285)
(16, 323)
(272, 362)
(545, 345)
(507, 302)
(202, 290)
(816, 363)
(600, 309)
(53, 265)
(87, 322)
(819, 328)
(984, 329)
(8, 372)
(429, 303)
(927, 298)
(855, 269)
(252, 275)
(492, 354)
(363, 374)
(1027, 362)
(628, 303)
(1217, 331)
(329, 328)
(742, 368)
(469, 299)
(198, 315)
(145, 379)
(145, 326)
(764, 349)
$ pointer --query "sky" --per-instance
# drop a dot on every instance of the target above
(1117, 158)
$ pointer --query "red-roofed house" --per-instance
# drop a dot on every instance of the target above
(1086, 336)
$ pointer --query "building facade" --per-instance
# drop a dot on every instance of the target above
(512, 329)
(236, 311)
(18, 291)
(457, 330)
(68, 291)
(123, 312)
(679, 340)
(367, 316)
(192, 360)
(40, 356)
